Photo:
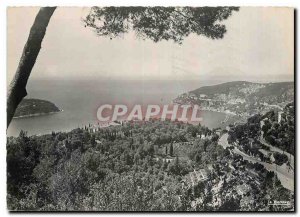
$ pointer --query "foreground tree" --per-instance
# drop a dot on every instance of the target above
(17, 89)
(154, 23)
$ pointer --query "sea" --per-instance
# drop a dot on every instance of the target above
(80, 99)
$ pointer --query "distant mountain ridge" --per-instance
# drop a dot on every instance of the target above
(240, 97)
(239, 88)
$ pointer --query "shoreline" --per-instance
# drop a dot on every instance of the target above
(37, 114)
(215, 110)
(221, 123)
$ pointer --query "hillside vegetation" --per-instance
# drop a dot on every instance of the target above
(159, 166)
(35, 107)
(241, 97)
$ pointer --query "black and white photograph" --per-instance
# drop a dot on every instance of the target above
(150, 109)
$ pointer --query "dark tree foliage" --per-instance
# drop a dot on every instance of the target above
(280, 158)
(231, 204)
(159, 23)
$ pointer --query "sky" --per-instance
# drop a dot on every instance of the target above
(258, 46)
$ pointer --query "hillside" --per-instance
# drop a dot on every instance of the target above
(269, 139)
(241, 97)
(35, 107)
(137, 166)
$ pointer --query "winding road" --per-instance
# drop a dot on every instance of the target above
(284, 174)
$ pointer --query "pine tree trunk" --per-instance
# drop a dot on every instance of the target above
(17, 89)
